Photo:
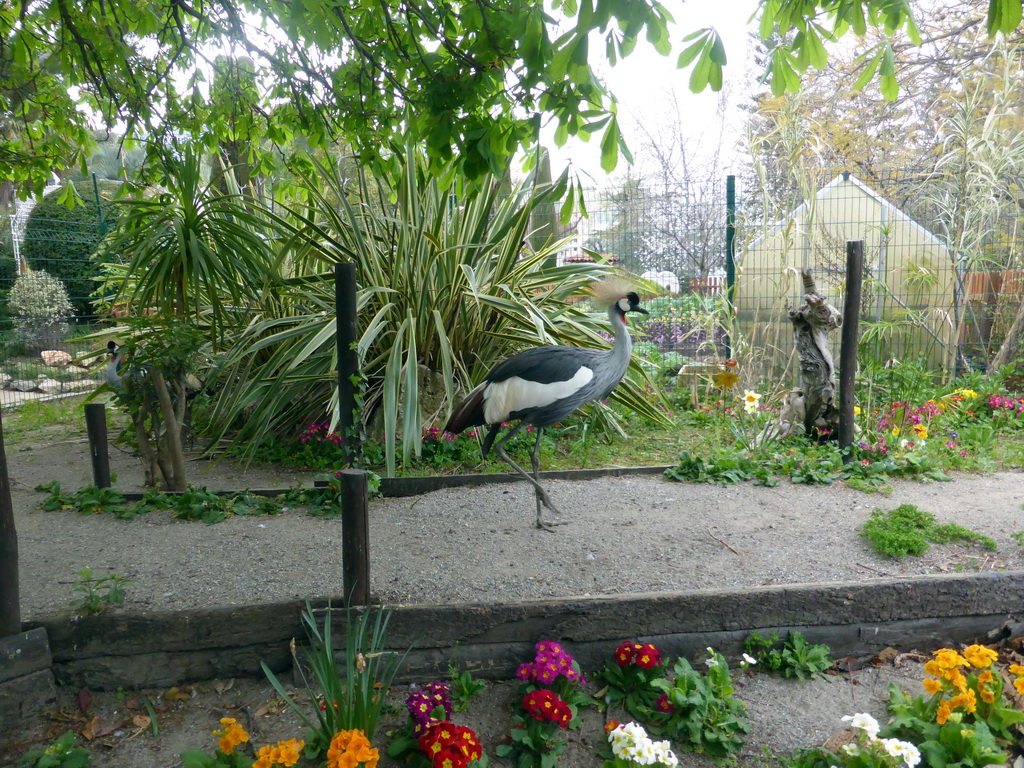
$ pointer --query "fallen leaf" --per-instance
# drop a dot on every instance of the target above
(221, 687)
(89, 732)
(885, 656)
(141, 721)
(178, 694)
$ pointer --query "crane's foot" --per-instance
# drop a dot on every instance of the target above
(543, 500)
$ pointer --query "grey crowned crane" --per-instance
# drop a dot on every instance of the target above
(115, 364)
(543, 385)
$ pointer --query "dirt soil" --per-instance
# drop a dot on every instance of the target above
(622, 535)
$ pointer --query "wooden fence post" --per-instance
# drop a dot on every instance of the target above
(96, 426)
(347, 334)
(10, 605)
(355, 538)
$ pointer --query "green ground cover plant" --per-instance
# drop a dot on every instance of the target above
(908, 530)
(792, 657)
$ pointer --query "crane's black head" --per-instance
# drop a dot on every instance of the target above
(630, 303)
(112, 349)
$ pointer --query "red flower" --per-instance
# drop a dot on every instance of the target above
(647, 657)
(546, 705)
(624, 654)
(664, 705)
(611, 725)
(450, 757)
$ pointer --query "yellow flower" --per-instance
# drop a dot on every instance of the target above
(949, 659)
(967, 700)
(956, 677)
(967, 394)
(943, 712)
(750, 401)
(920, 430)
(231, 735)
(725, 379)
(980, 656)
(987, 696)
(1016, 669)
(856, 410)
(895, 431)
(931, 685)
(1019, 685)
(986, 676)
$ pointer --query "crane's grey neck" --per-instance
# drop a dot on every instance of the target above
(623, 346)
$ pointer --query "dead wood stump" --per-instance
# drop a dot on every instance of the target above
(812, 322)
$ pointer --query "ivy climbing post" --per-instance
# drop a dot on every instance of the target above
(347, 335)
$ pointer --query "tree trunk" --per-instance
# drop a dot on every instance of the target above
(1009, 345)
(174, 472)
(812, 321)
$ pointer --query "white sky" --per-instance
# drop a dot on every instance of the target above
(645, 83)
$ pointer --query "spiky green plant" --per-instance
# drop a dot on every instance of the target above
(445, 290)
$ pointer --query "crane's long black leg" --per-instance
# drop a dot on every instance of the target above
(499, 448)
(535, 457)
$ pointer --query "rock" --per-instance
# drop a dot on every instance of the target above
(81, 385)
(55, 358)
(22, 385)
(5, 379)
(49, 386)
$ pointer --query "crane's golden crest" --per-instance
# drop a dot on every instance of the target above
(611, 289)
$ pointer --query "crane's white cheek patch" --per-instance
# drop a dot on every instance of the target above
(514, 394)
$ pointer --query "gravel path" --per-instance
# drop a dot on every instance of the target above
(623, 535)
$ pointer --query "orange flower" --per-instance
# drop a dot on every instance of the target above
(986, 676)
(943, 712)
(349, 749)
(979, 656)
(285, 754)
(987, 696)
(611, 725)
(932, 686)
(1019, 685)
(231, 735)
(1016, 669)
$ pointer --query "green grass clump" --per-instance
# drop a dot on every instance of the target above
(908, 530)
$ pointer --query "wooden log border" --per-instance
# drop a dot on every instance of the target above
(414, 486)
(855, 619)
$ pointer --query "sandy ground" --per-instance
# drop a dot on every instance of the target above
(630, 534)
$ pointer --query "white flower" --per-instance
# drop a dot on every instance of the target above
(749, 659)
(850, 750)
(892, 747)
(631, 743)
(911, 755)
(750, 401)
(864, 722)
(712, 662)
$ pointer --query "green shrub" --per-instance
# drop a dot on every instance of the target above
(62, 241)
(40, 310)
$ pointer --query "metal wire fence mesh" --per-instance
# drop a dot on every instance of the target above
(944, 280)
